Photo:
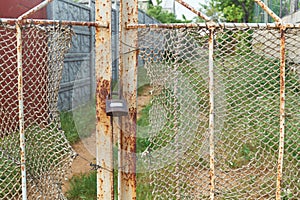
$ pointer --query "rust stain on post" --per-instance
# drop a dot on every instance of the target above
(104, 137)
(200, 14)
(211, 113)
(128, 83)
(21, 112)
(268, 10)
(282, 113)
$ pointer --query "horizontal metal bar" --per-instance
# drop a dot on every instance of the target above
(35, 9)
(52, 22)
(216, 25)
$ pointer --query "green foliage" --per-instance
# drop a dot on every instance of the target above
(233, 13)
(162, 15)
(229, 10)
(275, 7)
(210, 9)
(287, 194)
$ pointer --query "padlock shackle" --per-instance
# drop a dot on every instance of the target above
(110, 95)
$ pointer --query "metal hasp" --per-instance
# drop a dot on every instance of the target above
(116, 107)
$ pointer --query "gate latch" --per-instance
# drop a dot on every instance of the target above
(116, 107)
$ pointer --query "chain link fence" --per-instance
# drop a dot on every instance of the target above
(215, 111)
(48, 153)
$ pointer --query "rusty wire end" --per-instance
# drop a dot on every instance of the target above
(95, 167)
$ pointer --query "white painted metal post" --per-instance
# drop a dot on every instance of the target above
(282, 113)
(211, 113)
(104, 137)
(128, 85)
(21, 110)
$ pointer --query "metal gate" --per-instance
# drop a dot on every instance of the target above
(224, 117)
(225, 112)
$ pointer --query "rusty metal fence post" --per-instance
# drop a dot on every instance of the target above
(261, 145)
(104, 138)
(21, 111)
(21, 97)
(211, 112)
(282, 113)
(282, 96)
(128, 88)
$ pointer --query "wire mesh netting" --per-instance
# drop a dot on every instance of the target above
(291, 168)
(48, 154)
(246, 110)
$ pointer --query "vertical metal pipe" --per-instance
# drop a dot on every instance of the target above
(266, 16)
(128, 85)
(282, 113)
(293, 6)
(118, 131)
(177, 47)
(104, 138)
(280, 9)
(211, 113)
(21, 111)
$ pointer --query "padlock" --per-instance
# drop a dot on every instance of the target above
(116, 107)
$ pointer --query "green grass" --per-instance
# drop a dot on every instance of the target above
(46, 147)
(253, 109)
(83, 187)
(68, 126)
(79, 123)
(143, 129)
(252, 106)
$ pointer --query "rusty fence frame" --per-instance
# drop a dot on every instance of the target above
(103, 70)
(128, 80)
(211, 26)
